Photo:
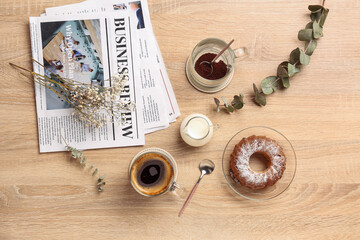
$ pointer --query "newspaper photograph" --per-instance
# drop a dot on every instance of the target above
(89, 50)
(153, 73)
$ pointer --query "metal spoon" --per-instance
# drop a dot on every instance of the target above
(209, 64)
(206, 167)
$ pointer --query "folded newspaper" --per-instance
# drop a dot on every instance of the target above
(93, 41)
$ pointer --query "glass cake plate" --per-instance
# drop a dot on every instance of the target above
(281, 185)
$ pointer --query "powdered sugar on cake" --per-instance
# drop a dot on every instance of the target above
(273, 152)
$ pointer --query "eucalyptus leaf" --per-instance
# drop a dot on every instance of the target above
(295, 56)
(68, 148)
(256, 91)
(282, 70)
(241, 98)
(286, 82)
(310, 47)
(260, 98)
(217, 102)
(309, 25)
(225, 102)
(284, 64)
(75, 153)
(95, 172)
(305, 35)
(237, 102)
(229, 108)
(317, 30)
(269, 85)
(315, 16)
(292, 70)
(304, 59)
(84, 162)
(315, 8)
(323, 17)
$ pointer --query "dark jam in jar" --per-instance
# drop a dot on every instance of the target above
(219, 68)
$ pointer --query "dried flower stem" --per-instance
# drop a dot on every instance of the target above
(89, 101)
(78, 155)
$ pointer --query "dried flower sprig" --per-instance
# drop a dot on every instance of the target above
(92, 104)
(287, 69)
(79, 156)
(236, 104)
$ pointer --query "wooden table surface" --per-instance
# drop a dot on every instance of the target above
(45, 196)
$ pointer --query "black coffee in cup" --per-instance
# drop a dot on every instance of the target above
(151, 174)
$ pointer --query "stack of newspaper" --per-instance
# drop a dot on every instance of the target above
(90, 42)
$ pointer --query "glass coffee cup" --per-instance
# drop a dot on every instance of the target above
(213, 46)
(153, 172)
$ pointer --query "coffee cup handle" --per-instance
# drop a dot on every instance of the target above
(241, 52)
(177, 190)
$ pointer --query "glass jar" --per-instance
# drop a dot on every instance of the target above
(212, 45)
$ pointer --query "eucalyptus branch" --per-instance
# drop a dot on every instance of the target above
(236, 104)
(298, 57)
(79, 156)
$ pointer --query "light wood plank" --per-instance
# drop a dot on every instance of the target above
(45, 196)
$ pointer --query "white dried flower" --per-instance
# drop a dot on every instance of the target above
(92, 104)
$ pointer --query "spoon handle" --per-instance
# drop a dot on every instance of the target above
(189, 197)
(222, 51)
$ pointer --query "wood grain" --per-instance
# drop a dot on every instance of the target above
(45, 196)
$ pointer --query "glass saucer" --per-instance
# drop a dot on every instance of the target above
(281, 185)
